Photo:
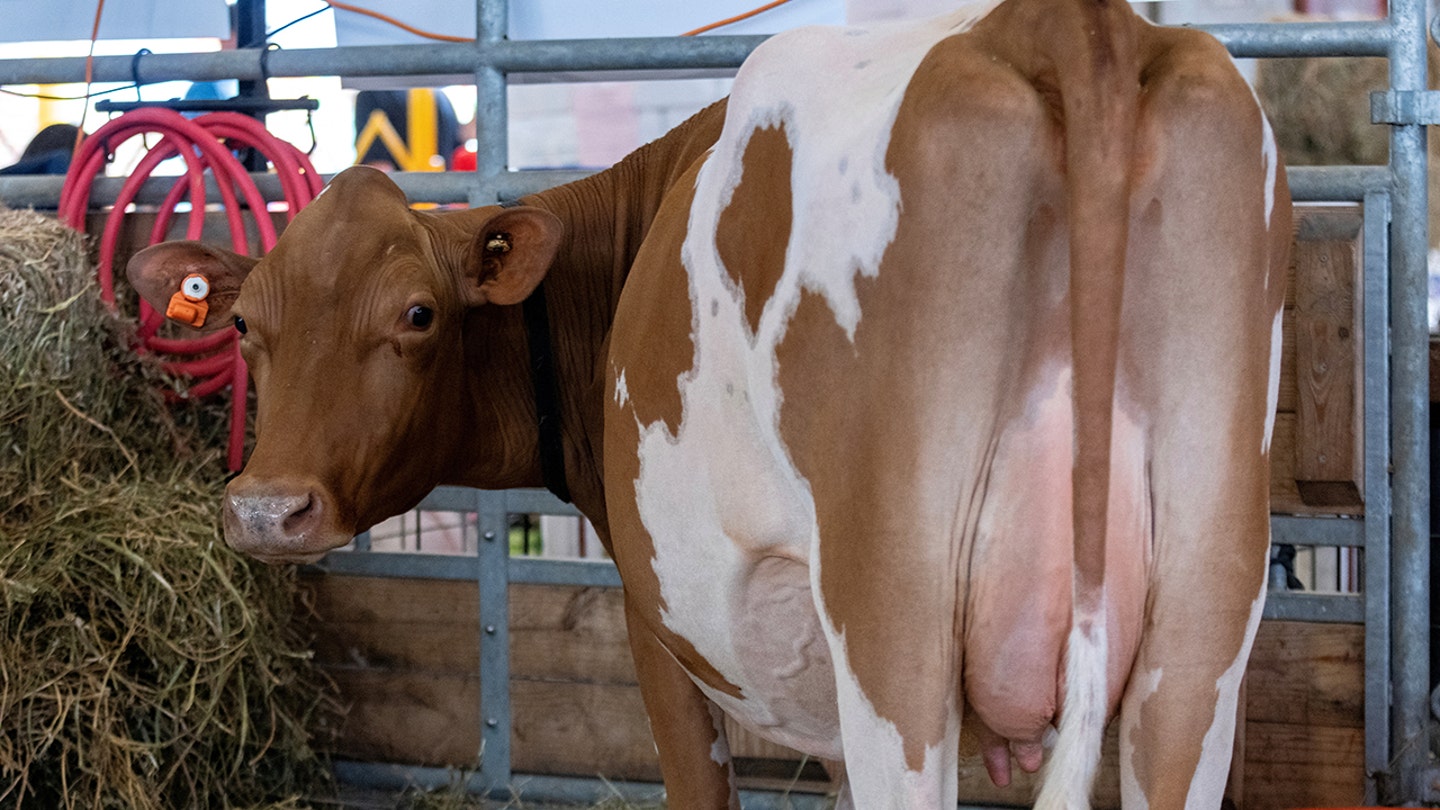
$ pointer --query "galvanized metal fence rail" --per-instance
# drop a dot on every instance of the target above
(1395, 533)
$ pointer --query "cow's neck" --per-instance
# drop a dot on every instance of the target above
(606, 218)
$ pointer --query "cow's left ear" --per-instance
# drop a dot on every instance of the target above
(511, 255)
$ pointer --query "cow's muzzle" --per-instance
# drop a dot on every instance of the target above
(280, 521)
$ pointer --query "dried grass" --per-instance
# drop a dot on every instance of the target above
(143, 664)
(1320, 109)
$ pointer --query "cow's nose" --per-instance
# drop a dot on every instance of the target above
(274, 520)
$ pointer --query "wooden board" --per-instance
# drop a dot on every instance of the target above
(1305, 721)
(1316, 454)
(1285, 496)
(1328, 361)
(421, 718)
(1289, 766)
(1303, 673)
(404, 655)
(581, 729)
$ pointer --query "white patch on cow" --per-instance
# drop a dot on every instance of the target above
(732, 522)
(622, 389)
(1142, 686)
(720, 749)
(1272, 392)
(1071, 770)
(1207, 787)
(1269, 156)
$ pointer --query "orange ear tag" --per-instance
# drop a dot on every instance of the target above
(188, 305)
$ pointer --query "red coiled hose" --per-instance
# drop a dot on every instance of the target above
(211, 362)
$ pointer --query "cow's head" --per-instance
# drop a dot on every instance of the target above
(363, 330)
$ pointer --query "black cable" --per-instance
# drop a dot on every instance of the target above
(297, 20)
(85, 97)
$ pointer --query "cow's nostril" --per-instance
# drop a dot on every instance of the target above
(302, 515)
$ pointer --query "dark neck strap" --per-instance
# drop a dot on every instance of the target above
(547, 393)
(547, 388)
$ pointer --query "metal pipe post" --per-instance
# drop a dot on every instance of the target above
(492, 109)
(491, 157)
(1375, 299)
(1410, 428)
(1252, 40)
(493, 581)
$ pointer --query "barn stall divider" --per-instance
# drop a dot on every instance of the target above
(1393, 470)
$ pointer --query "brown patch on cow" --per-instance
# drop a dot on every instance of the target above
(660, 347)
(1195, 634)
(754, 228)
(883, 596)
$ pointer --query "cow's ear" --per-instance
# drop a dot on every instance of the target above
(191, 282)
(511, 255)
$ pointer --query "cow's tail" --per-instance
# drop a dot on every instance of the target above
(1092, 43)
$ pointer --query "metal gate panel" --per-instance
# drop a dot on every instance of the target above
(1395, 532)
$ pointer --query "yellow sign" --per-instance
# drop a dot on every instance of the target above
(419, 151)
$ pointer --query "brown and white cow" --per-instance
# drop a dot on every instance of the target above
(933, 374)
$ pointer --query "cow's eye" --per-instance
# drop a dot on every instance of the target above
(420, 317)
(240, 325)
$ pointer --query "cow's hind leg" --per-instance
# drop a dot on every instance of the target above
(689, 735)
(1179, 711)
(1204, 288)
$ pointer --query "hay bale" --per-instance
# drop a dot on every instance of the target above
(1320, 109)
(143, 664)
(71, 391)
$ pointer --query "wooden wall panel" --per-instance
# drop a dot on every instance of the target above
(1316, 453)
(1289, 766)
(581, 729)
(1305, 716)
(1327, 331)
(420, 718)
(403, 653)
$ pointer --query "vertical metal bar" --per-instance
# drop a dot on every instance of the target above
(1410, 543)
(492, 109)
(362, 541)
(493, 581)
(250, 33)
(491, 152)
(1375, 280)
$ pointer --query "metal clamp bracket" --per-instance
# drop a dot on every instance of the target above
(1405, 107)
